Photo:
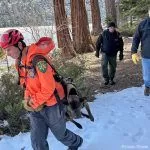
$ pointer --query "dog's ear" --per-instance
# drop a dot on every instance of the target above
(82, 99)
(65, 102)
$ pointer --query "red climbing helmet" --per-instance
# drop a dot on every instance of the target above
(10, 37)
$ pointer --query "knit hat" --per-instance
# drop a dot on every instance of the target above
(111, 24)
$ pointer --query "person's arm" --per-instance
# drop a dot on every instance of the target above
(136, 40)
(98, 45)
(121, 44)
(135, 45)
(47, 81)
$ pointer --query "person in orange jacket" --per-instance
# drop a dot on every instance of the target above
(42, 93)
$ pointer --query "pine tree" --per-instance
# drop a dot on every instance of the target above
(135, 8)
(110, 11)
(80, 30)
(63, 35)
(96, 17)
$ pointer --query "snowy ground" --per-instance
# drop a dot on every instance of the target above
(122, 121)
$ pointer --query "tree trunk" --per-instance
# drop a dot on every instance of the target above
(96, 18)
(8, 69)
(131, 22)
(80, 29)
(63, 35)
(110, 10)
(117, 12)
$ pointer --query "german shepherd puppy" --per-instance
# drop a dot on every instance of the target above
(73, 107)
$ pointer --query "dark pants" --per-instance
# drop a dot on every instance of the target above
(109, 72)
(51, 117)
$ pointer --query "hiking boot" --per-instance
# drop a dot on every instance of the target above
(112, 82)
(72, 148)
(106, 82)
(147, 91)
(75, 147)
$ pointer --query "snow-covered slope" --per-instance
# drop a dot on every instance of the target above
(122, 121)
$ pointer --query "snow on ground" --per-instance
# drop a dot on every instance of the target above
(122, 121)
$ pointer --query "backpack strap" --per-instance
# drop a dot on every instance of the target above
(57, 76)
(37, 58)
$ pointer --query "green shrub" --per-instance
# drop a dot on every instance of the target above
(11, 109)
(1, 53)
(128, 31)
(74, 68)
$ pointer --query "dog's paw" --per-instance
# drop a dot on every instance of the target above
(92, 118)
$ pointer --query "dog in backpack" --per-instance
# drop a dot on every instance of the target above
(74, 104)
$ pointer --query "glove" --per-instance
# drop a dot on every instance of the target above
(27, 106)
(121, 56)
(97, 54)
(39, 108)
(135, 58)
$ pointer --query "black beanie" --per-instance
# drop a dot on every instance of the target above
(111, 24)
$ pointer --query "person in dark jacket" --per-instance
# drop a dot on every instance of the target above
(142, 35)
(109, 43)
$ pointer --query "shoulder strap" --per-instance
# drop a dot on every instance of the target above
(57, 76)
(37, 58)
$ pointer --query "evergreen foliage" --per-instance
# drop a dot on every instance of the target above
(11, 108)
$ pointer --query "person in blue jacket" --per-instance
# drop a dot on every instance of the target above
(142, 35)
(109, 43)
